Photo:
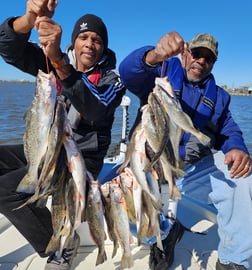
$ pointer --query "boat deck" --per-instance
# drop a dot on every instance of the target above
(186, 256)
(194, 252)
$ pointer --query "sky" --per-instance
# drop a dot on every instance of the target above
(135, 23)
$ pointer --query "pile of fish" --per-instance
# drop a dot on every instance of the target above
(55, 165)
(56, 168)
(152, 158)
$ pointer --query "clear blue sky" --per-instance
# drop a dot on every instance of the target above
(134, 23)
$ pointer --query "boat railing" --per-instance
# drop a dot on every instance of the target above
(118, 148)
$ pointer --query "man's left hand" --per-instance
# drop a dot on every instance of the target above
(239, 162)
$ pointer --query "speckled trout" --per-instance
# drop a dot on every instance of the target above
(163, 90)
(39, 118)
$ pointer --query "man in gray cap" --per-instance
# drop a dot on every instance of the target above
(207, 105)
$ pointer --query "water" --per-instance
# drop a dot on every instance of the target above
(15, 98)
(241, 108)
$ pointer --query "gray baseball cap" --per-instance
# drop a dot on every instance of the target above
(205, 41)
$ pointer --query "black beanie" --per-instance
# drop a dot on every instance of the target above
(90, 22)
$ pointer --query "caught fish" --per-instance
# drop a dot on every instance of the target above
(72, 214)
(174, 110)
(77, 167)
(138, 161)
(95, 219)
(106, 200)
(58, 212)
(39, 118)
(56, 180)
(121, 221)
(170, 176)
(151, 227)
(55, 140)
(126, 184)
(137, 200)
(174, 132)
(156, 126)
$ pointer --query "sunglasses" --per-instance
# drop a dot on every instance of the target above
(197, 54)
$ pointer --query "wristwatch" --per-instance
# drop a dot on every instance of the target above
(62, 62)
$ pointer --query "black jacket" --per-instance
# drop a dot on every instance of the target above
(95, 103)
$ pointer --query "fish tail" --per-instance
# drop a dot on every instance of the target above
(53, 245)
(101, 257)
(159, 242)
(175, 193)
(116, 246)
(204, 139)
(139, 239)
(157, 204)
(148, 167)
(126, 261)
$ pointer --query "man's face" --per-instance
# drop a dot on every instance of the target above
(198, 63)
(88, 49)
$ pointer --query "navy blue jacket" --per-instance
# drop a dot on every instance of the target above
(225, 134)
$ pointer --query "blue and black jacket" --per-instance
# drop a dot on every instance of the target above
(95, 103)
(219, 125)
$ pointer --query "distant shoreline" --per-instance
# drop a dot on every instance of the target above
(17, 81)
(236, 92)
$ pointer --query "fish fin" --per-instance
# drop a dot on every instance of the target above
(179, 172)
(157, 204)
(122, 167)
(175, 193)
(32, 199)
(26, 185)
(21, 206)
(159, 242)
(42, 201)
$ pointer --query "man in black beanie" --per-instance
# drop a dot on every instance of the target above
(90, 22)
(91, 88)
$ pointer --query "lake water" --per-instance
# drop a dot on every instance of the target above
(15, 98)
